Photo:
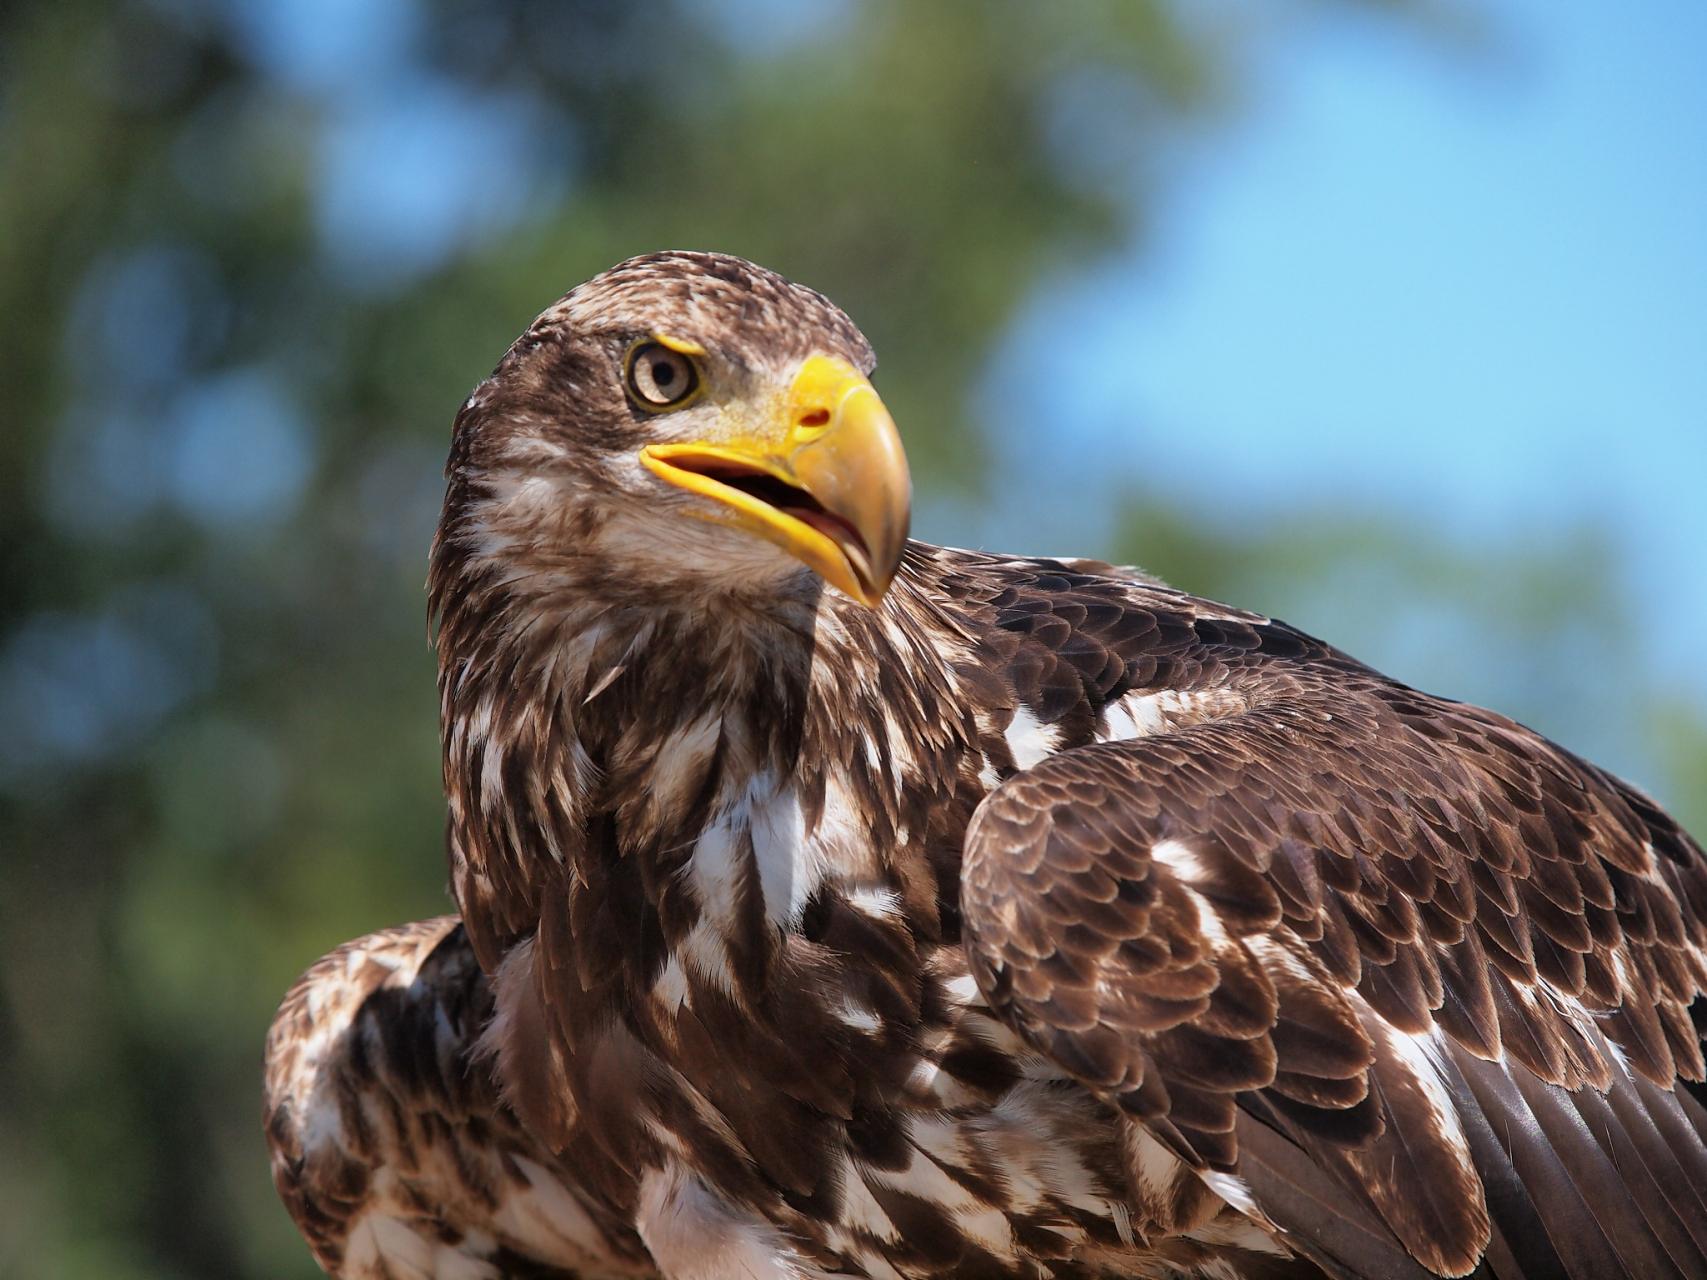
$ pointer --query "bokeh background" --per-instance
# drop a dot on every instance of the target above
(1387, 318)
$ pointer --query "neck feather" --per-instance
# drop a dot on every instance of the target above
(711, 766)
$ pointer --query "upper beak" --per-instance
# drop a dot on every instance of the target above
(823, 476)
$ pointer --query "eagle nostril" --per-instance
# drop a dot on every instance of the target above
(816, 418)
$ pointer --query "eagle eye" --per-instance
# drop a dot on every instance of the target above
(660, 378)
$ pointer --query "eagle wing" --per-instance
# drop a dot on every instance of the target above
(390, 1145)
(1414, 978)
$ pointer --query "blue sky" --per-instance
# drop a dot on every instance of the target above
(1465, 285)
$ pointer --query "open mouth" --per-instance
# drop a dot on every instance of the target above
(787, 499)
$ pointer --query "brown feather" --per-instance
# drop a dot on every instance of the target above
(969, 934)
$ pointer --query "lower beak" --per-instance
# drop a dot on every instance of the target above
(825, 478)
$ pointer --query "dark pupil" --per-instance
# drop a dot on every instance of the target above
(663, 374)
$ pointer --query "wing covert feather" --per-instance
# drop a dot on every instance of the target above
(391, 1146)
(1291, 898)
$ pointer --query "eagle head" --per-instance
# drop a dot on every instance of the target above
(680, 426)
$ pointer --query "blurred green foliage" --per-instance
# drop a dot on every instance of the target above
(218, 750)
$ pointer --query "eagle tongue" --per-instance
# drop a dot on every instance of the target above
(840, 532)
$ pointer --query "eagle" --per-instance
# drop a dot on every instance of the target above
(835, 904)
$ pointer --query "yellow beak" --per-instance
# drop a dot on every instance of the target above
(823, 477)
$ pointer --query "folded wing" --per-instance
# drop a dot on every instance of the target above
(391, 1147)
(1419, 979)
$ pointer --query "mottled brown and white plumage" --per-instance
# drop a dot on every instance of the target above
(1016, 918)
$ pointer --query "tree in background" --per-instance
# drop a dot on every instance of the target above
(252, 256)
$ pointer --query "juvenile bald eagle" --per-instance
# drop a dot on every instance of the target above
(833, 904)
